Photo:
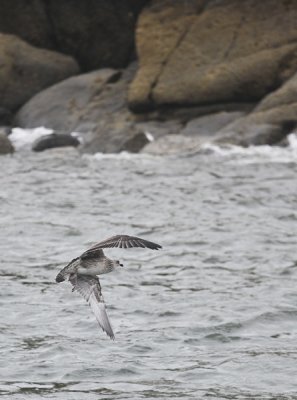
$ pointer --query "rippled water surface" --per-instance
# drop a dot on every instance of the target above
(213, 315)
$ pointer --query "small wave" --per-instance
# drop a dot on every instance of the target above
(123, 155)
(257, 154)
(24, 138)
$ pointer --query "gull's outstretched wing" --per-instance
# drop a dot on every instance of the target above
(124, 242)
(94, 255)
(89, 288)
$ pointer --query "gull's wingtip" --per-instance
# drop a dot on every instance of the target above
(109, 332)
(153, 246)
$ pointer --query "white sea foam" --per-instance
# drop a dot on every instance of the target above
(23, 139)
(257, 154)
(149, 136)
(137, 158)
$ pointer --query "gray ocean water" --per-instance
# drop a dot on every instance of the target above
(213, 315)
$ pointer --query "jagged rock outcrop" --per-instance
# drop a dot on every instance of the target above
(97, 33)
(208, 70)
(272, 120)
(26, 70)
(205, 52)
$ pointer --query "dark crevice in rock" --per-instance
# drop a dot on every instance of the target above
(51, 24)
(5, 116)
(234, 38)
(115, 77)
(185, 113)
(288, 126)
(166, 61)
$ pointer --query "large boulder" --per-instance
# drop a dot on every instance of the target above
(222, 51)
(98, 33)
(273, 119)
(25, 70)
(93, 104)
(65, 106)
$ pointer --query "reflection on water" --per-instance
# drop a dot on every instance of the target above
(212, 315)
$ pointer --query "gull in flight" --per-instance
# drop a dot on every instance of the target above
(82, 273)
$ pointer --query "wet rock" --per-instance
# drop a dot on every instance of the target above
(6, 146)
(207, 52)
(270, 122)
(209, 125)
(98, 33)
(25, 70)
(253, 135)
(156, 128)
(136, 143)
(55, 140)
(174, 144)
(5, 129)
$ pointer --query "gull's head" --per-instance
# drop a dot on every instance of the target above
(60, 278)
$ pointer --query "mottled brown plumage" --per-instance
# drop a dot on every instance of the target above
(82, 273)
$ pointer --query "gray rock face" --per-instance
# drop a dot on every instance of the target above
(174, 144)
(136, 143)
(98, 33)
(25, 70)
(6, 146)
(209, 125)
(54, 140)
(67, 105)
(272, 120)
(93, 104)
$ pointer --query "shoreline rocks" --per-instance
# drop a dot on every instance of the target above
(26, 70)
(224, 51)
(98, 34)
(217, 71)
(54, 140)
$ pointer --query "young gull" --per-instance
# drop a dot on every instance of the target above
(82, 273)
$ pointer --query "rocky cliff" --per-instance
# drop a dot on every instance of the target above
(184, 71)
